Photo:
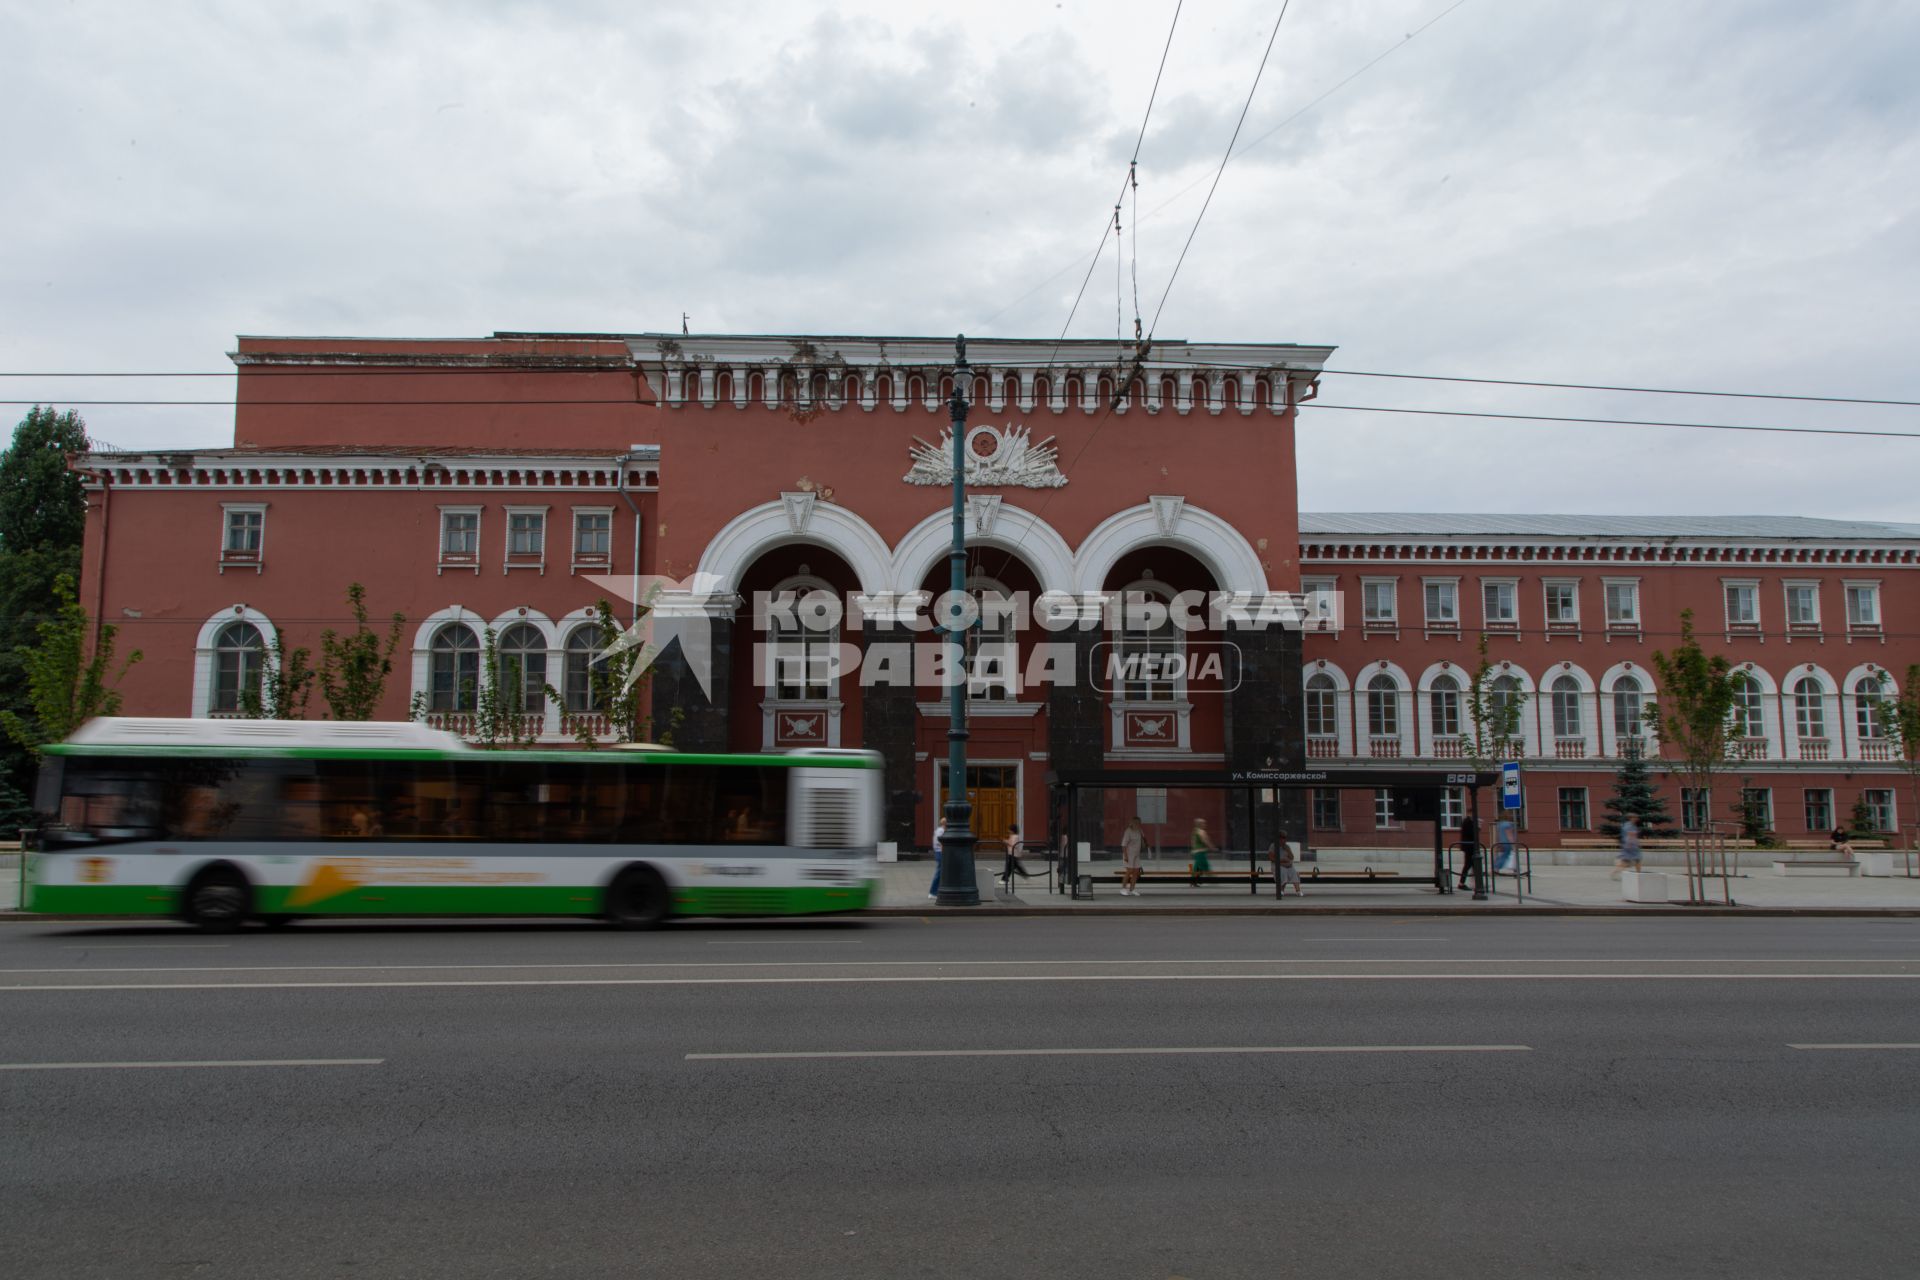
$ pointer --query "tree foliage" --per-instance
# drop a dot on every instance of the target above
(354, 667)
(1900, 718)
(70, 675)
(1693, 716)
(1636, 796)
(286, 683)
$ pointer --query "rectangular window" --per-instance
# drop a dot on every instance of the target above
(592, 536)
(1877, 806)
(1803, 604)
(1819, 803)
(1743, 604)
(1497, 604)
(1756, 809)
(1563, 604)
(243, 530)
(526, 533)
(459, 536)
(1693, 809)
(1150, 805)
(1383, 819)
(1453, 807)
(1378, 602)
(1863, 606)
(1326, 809)
(1573, 808)
(1623, 604)
(1322, 603)
(1443, 604)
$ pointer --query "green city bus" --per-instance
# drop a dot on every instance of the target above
(218, 822)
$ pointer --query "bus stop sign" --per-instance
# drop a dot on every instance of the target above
(1510, 785)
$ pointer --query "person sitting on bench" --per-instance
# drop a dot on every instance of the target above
(1842, 847)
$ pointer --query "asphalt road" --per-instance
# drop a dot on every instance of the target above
(1105, 1097)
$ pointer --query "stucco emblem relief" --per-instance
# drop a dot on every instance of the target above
(996, 456)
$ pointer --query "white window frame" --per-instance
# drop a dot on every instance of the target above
(255, 559)
(512, 559)
(1586, 808)
(1806, 805)
(1314, 800)
(1801, 626)
(1892, 807)
(775, 703)
(1388, 622)
(1740, 626)
(1321, 598)
(1629, 625)
(1450, 587)
(1871, 588)
(601, 560)
(1488, 621)
(1177, 702)
(1383, 819)
(462, 559)
(1566, 625)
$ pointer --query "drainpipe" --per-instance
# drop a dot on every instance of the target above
(633, 451)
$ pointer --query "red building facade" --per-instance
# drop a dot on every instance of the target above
(499, 488)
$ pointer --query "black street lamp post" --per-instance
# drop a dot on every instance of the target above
(958, 887)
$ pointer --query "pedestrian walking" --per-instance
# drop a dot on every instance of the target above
(939, 836)
(1199, 845)
(1469, 847)
(1286, 870)
(1132, 841)
(1629, 859)
(1503, 845)
(1014, 848)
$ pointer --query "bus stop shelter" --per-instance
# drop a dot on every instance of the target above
(1255, 802)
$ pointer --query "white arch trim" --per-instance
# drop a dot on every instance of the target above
(1014, 529)
(1874, 674)
(1649, 694)
(1589, 704)
(1404, 696)
(1771, 712)
(1342, 700)
(423, 637)
(1423, 701)
(757, 530)
(533, 618)
(1831, 742)
(203, 651)
(1231, 559)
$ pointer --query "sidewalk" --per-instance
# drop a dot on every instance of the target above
(1554, 888)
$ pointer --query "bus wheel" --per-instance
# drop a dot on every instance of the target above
(637, 899)
(218, 900)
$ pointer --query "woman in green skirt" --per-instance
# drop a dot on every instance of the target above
(1198, 848)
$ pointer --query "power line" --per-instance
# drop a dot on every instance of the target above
(1218, 173)
(1309, 405)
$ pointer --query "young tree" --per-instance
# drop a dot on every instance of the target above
(42, 520)
(70, 676)
(1635, 796)
(354, 667)
(285, 685)
(1693, 715)
(498, 716)
(615, 690)
(1900, 716)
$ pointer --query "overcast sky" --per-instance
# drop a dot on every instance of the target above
(1707, 195)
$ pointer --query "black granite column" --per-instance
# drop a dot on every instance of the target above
(1264, 728)
(702, 719)
(888, 719)
(1077, 728)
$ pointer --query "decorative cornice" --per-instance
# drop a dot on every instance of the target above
(352, 471)
(1604, 552)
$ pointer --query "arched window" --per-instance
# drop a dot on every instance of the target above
(993, 667)
(1629, 710)
(453, 669)
(1149, 640)
(239, 659)
(1383, 707)
(1747, 719)
(1809, 708)
(1566, 708)
(1443, 696)
(521, 652)
(805, 639)
(1867, 692)
(1322, 699)
(583, 651)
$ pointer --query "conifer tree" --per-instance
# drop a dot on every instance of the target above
(1634, 794)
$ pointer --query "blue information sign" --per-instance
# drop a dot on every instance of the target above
(1510, 785)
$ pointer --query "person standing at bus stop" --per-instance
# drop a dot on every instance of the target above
(1132, 842)
(939, 835)
(1503, 844)
(1469, 847)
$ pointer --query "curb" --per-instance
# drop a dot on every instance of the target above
(997, 911)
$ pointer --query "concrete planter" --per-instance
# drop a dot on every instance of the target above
(1882, 864)
(1644, 886)
(1825, 867)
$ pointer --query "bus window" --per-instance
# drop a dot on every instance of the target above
(109, 800)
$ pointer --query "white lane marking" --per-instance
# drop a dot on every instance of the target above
(792, 942)
(922, 964)
(1310, 938)
(1854, 1046)
(149, 1066)
(1063, 977)
(1094, 1053)
(152, 946)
